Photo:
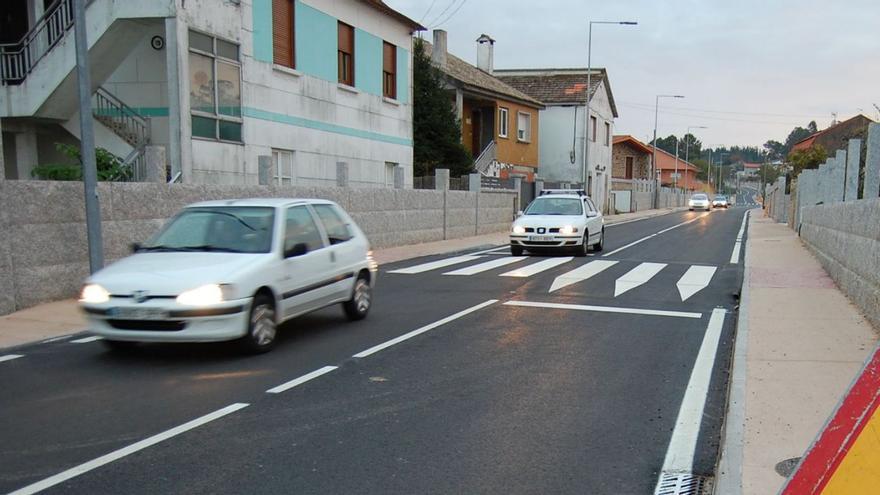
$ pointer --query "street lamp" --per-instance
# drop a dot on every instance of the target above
(687, 149)
(654, 153)
(587, 132)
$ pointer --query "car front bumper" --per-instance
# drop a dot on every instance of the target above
(170, 323)
(546, 241)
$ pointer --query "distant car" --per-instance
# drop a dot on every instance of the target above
(559, 219)
(720, 202)
(226, 270)
(699, 201)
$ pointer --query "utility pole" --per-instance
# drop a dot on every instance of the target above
(655, 176)
(87, 140)
(675, 176)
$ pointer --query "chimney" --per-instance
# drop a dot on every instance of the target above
(485, 53)
(438, 51)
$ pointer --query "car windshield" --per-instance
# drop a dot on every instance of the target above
(720, 198)
(700, 197)
(239, 229)
(555, 206)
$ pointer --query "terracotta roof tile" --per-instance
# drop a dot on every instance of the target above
(557, 86)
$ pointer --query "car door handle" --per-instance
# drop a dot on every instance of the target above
(332, 256)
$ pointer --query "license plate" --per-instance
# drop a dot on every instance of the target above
(540, 238)
(139, 313)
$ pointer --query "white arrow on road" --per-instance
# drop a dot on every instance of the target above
(694, 280)
(582, 273)
(636, 277)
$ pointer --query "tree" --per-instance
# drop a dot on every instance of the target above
(799, 134)
(807, 159)
(768, 174)
(667, 144)
(108, 165)
(436, 130)
(775, 150)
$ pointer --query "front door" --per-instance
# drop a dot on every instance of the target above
(305, 272)
(476, 132)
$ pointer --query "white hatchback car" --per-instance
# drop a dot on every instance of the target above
(559, 219)
(225, 270)
(699, 201)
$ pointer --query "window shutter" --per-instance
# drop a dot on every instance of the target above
(282, 32)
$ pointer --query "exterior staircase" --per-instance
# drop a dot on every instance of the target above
(129, 125)
(488, 157)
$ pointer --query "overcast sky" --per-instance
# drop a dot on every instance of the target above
(750, 69)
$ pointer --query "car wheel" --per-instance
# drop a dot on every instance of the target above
(119, 345)
(690, 209)
(358, 306)
(516, 250)
(601, 244)
(584, 247)
(262, 326)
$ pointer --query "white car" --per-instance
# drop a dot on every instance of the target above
(559, 219)
(720, 201)
(699, 201)
(226, 270)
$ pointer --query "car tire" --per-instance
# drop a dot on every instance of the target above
(262, 329)
(601, 244)
(361, 300)
(119, 345)
(582, 250)
(516, 250)
(690, 209)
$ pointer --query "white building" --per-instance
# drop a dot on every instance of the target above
(215, 85)
(562, 137)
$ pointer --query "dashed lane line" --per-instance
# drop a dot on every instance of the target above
(86, 340)
(643, 239)
(10, 357)
(299, 381)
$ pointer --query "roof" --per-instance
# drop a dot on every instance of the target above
(475, 79)
(385, 9)
(635, 143)
(808, 142)
(751, 165)
(558, 86)
(665, 161)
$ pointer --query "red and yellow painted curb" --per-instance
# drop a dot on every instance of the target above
(845, 458)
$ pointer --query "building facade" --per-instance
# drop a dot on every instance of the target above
(320, 89)
(632, 161)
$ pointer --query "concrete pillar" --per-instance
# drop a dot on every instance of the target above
(839, 175)
(871, 188)
(823, 179)
(26, 157)
(399, 177)
(174, 113)
(154, 160)
(539, 186)
(441, 179)
(853, 156)
(475, 182)
(265, 170)
(341, 174)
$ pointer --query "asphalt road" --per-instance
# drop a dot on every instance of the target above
(587, 395)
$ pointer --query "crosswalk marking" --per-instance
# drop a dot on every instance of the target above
(433, 265)
(489, 265)
(694, 280)
(636, 277)
(528, 271)
(581, 273)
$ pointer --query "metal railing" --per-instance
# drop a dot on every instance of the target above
(17, 60)
(123, 120)
(487, 157)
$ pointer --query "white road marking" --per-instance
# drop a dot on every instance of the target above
(528, 271)
(10, 357)
(490, 251)
(636, 277)
(737, 246)
(299, 381)
(605, 309)
(486, 266)
(643, 239)
(433, 265)
(55, 339)
(86, 340)
(131, 449)
(419, 331)
(683, 445)
(581, 273)
(694, 280)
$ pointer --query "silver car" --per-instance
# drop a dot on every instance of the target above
(699, 201)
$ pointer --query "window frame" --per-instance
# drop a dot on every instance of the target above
(292, 35)
(317, 207)
(216, 116)
(594, 123)
(389, 78)
(527, 136)
(607, 133)
(503, 123)
(629, 165)
(278, 177)
(341, 56)
(318, 228)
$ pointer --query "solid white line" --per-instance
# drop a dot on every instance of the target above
(737, 246)
(131, 449)
(581, 273)
(433, 265)
(486, 266)
(10, 357)
(299, 381)
(86, 340)
(419, 331)
(636, 277)
(528, 271)
(499, 248)
(694, 280)
(605, 309)
(643, 239)
(683, 444)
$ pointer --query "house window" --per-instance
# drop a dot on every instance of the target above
(389, 70)
(593, 124)
(524, 127)
(214, 88)
(283, 165)
(629, 167)
(607, 134)
(503, 122)
(283, 48)
(345, 54)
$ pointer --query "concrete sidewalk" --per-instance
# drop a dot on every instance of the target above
(63, 318)
(800, 343)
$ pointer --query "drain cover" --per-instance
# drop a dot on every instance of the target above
(786, 467)
(683, 484)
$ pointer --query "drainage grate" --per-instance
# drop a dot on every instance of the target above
(683, 484)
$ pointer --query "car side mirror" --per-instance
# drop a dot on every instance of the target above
(592, 214)
(519, 214)
(298, 249)
(135, 247)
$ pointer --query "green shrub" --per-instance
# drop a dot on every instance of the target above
(110, 167)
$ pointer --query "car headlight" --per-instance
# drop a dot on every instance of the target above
(568, 230)
(519, 229)
(205, 295)
(94, 294)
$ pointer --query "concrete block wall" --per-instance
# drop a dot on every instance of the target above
(846, 239)
(43, 249)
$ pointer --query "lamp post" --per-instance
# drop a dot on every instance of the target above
(687, 149)
(587, 133)
(654, 153)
